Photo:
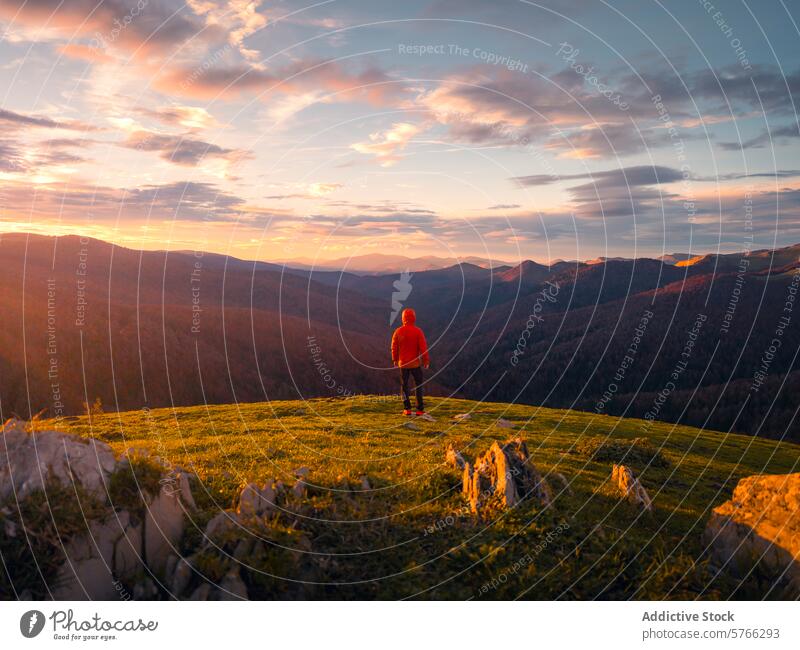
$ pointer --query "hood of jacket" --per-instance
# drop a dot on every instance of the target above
(409, 317)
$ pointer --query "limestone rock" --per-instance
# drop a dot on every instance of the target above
(26, 458)
(254, 501)
(505, 424)
(268, 500)
(86, 579)
(172, 563)
(9, 528)
(232, 587)
(411, 425)
(248, 500)
(144, 589)
(427, 417)
(302, 472)
(87, 573)
(243, 549)
(453, 457)
(506, 473)
(186, 490)
(462, 417)
(181, 577)
(299, 488)
(221, 523)
(163, 528)
(365, 484)
(761, 522)
(630, 487)
(119, 546)
(202, 592)
(127, 546)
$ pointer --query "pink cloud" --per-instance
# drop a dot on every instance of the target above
(136, 26)
(371, 85)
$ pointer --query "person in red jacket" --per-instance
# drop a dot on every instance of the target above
(410, 354)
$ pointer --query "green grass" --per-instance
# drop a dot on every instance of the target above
(410, 536)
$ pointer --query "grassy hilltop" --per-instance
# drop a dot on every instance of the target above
(410, 534)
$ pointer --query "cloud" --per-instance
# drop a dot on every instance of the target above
(564, 113)
(624, 192)
(639, 175)
(560, 112)
(181, 149)
(190, 117)
(204, 203)
(763, 88)
(511, 14)
(310, 191)
(84, 53)
(386, 146)
(39, 160)
(622, 177)
(721, 219)
(332, 79)
(143, 26)
(382, 207)
(77, 202)
(239, 18)
(777, 174)
(11, 158)
(43, 122)
(778, 136)
(321, 189)
(27, 120)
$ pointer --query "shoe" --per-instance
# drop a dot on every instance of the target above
(407, 412)
(419, 413)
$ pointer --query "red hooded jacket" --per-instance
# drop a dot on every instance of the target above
(409, 347)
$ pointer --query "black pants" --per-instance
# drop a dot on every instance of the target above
(405, 373)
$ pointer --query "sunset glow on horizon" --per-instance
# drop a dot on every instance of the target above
(510, 131)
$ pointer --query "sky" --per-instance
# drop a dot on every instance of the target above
(504, 129)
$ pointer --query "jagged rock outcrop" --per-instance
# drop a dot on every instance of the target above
(232, 587)
(234, 537)
(630, 487)
(27, 458)
(254, 501)
(453, 457)
(760, 524)
(123, 546)
(504, 474)
(126, 538)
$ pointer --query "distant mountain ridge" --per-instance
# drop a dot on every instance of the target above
(380, 263)
(179, 328)
(383, 264)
